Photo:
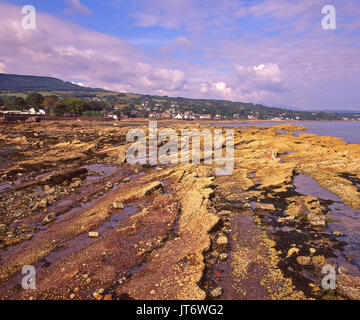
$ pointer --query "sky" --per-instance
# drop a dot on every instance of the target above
(261, 51)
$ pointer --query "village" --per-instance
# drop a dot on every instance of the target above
(123, 106)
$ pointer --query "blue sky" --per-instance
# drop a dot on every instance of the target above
(271, 52)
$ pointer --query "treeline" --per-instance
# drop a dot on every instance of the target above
(53, 105)
(142, 105)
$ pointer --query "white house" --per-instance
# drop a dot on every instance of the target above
(33, 111)
(178, 116)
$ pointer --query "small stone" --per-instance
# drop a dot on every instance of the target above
(312, 250)
(317, 220)
(224, 213)
(49, 218)
(152, 292)
(292, 251)
(109, 185)
(342, 270)
(222, 241)
(50, 191)
(215, 293)
(88, 280)
(118, 205)
(43, 203)
(101, 290)
(223, 256)
(153, 187)
(93, 234)
(304, 261)
(264, 206)
(108, 297)
(338, 234)
(75, 185)
(72, 296)
(319, 261)
(97, 296)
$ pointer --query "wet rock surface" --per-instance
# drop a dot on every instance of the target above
(96, 227)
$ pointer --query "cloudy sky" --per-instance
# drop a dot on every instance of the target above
(263, 51)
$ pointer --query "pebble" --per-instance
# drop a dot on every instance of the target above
(97, 296)
(222, 241)
(49, 218)
(108, 297)
(292, 251)
(93, 234)
(304, 261)
(342, 270)
(118, 205)
(215, 293)
(338, 234)
(224, 213)
(223, 256)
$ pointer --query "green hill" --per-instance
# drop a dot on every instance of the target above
(21, 83)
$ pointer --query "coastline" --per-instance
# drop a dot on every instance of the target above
(175, 232)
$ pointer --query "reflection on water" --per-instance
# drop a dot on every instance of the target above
(346, 218)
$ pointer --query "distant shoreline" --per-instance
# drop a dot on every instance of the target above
(144, 120)
(11, 118)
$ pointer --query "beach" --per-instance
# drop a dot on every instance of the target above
(97, 227)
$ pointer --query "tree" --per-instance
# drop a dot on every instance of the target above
(59, 109)
(19, 103)
(73, 105)
(126, 111)
(49, 101)
(34, 100)
(8, 105)
(49, 104)
(1, 102)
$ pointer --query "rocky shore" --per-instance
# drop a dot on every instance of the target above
(96, 227)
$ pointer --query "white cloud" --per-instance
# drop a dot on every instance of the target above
(77, 6)
(184, 42)
(67, 51)
(265, 76)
